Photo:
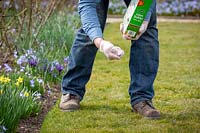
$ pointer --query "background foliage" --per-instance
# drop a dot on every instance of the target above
(35, 39)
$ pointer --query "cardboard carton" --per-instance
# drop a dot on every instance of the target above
(135, 16)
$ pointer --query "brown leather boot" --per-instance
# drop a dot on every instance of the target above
(146, 109)
(69, 102)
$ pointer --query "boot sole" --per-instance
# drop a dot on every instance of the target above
(70, 109)
(149, 118)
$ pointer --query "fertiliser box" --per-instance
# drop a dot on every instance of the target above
(135, 15)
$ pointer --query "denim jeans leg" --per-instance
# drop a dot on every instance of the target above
(143, 64)
(127, 2)
(81, 58)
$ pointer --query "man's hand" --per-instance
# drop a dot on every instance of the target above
(111, 52)
(142, 29)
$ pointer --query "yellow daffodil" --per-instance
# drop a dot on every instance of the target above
(1, 92)
(26, 94)
(17, 83)
(1, 78)
(4, 79)
(20, 80)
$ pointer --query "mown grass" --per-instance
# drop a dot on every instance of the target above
(106, 107)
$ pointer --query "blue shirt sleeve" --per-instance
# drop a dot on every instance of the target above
(89, 18)
(148, 16)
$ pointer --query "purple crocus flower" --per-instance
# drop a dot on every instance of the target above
(59, 67)
(66, 60)
(32, 83)
(15, 54)
(29, 52)
(37, 95)
(7, 68)
(22, 59)
(22, 69)
(51, 68)
(40, 81)
(33, 62)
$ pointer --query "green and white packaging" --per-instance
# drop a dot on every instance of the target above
(135, 16)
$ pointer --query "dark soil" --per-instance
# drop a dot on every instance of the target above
(34, 123)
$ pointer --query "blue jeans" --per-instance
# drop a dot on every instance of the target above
(143, 64)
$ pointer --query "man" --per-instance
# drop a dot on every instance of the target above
(144, 58)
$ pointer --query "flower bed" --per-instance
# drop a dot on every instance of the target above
(177, 7)
(172, 8)
(37, 61)
(17, 101)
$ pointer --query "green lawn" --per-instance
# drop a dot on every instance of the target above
(106, 108)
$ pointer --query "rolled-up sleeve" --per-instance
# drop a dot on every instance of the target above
(89, 18)
(148, 16)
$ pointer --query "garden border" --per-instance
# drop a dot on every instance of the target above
(118, 19)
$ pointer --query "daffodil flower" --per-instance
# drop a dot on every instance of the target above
(4, 79)
(17, 83)
(1, 79)
(26, 94)
(20, 80)
(1, 92)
